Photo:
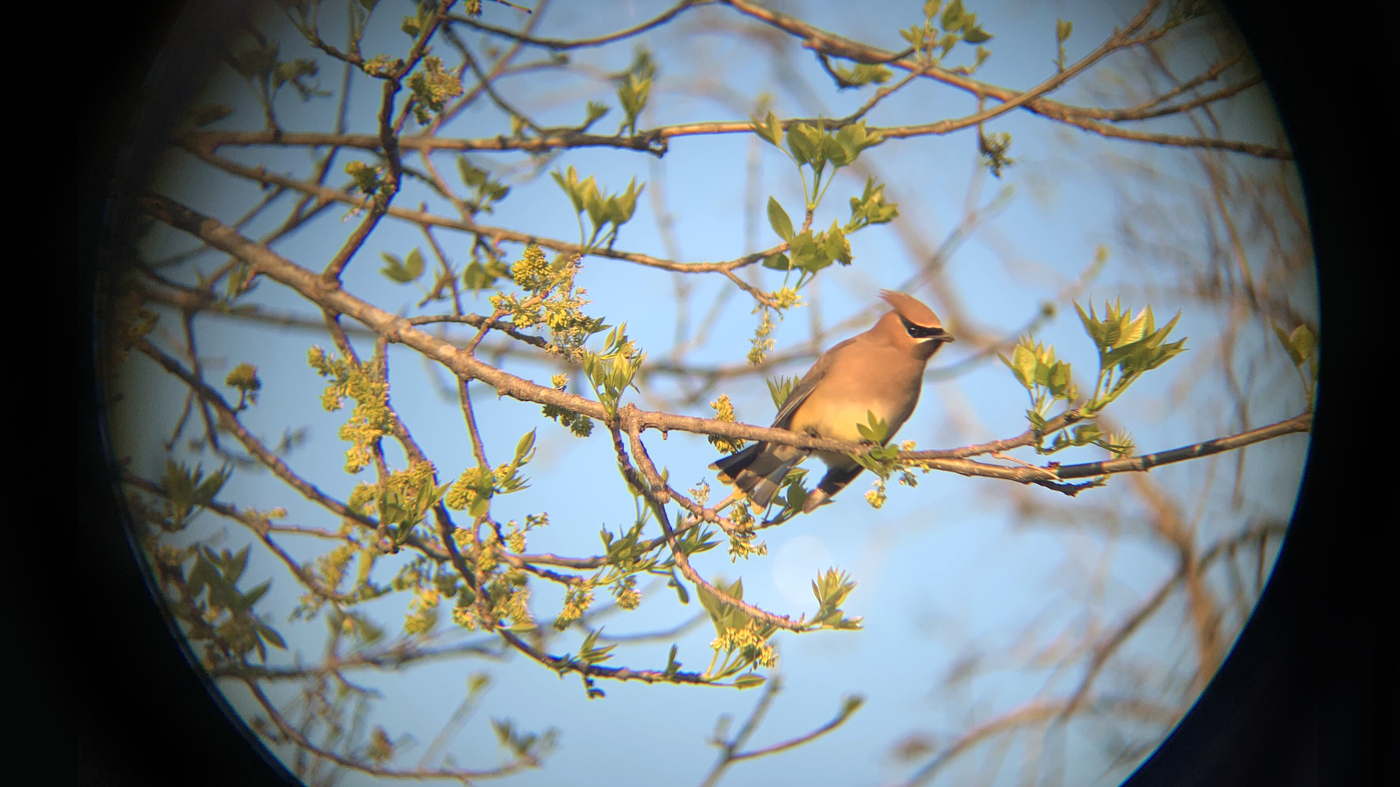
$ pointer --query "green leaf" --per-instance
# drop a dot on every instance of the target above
(1092, 326)
(777, 262)
(810, 140)
(835, 244)
(247, 600)
(976, 35)
(681, 593)
(1301, 344)
(525, 448)
(594, 110)
(470, 174)
(838, 154)
(413, 263)
(592, 200)
(780, 388)
(205, 492)
(779, 220)
(800, 145)
(271, 636)
(749, 681)
(235, 565)
(402, 271)
(1064, 28)
(1025, 364)
(952, 15)
(770, 130)
(875, 429)
(568, 181)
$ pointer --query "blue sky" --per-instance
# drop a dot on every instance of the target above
(945, 570)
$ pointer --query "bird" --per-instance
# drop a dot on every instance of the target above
(880, 371)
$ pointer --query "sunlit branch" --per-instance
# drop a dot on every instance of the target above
(398, 329)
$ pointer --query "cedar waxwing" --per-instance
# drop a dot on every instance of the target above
(880, 371)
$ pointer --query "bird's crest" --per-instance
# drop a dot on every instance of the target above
(911, 309)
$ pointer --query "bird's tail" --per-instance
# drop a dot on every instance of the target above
(759, 469)
(834, 481)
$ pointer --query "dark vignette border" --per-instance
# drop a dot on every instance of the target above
(102, 694)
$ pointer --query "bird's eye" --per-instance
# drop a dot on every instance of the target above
(919, 331)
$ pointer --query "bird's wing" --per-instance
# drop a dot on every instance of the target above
(806, 386)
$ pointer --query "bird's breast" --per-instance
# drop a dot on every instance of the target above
(836, 414)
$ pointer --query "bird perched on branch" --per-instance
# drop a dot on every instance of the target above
(880, 371)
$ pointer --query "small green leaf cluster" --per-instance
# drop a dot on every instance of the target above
(610, 372)
(589, 654)
(475, 487)
(808, 251)
(382, 66)
(632, 93)
(633, 89)
(789, 498)
(870, 207)
(432, 88)
(993, 149)
(1064, 28)
(593, 111)
(551, 299)
(607, 213)
(223, 618)
(186, 489)
(936, 37)
(1046, 379)
(831, 589)
(263, 68)
(1128, 347)
(878, 458)
(527, 746)
(724, 411)
(364, 383)
(404, 499)
(404, 270)
(580, 425)
(780, 388)
(814, 146)
(244, 377)
(413, 26)
(1301, 346)
(861, 74)
(627, 557)
(369, 180)
(742, 640)
(486, 190)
